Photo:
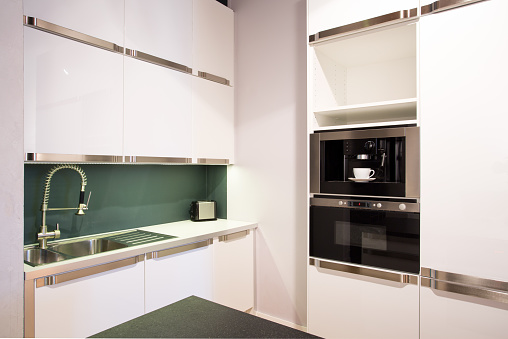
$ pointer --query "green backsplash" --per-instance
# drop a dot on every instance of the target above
(123, 196)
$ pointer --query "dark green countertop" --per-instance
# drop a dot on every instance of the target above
(194, 317)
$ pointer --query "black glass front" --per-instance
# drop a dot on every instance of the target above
(382, 239)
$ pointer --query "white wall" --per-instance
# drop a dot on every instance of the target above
(268, 182)
(11, 168)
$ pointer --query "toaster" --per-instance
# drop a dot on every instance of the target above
(203, 210)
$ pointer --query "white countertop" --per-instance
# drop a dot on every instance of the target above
(186, 232)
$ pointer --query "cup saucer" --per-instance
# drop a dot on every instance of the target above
(362, 179)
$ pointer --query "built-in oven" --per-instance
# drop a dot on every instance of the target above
(369, 162)
(382, 233)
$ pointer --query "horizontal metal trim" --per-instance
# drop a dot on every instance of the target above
(368, 272)
(208, 161)
(54, 157)
(385, 205)
(179, 249)
(472, 291)
(158, 160)
(443, 5)
(214, 78)
(360, 25)
(365, 134)
(85, 272)
(157, 61)
(70, 34)
(465, 279)
(234, 236)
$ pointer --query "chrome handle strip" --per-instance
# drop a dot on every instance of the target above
(157, 61)
(179, 249)
(85, 272)
(463, 279)
(368, 272)
(472, 291)
(234, 236)
(29, 320)
(157, 160)
(390, 18)
(214, 78)
(53, 157)
(385, 205)
(70, 34)
(208, 161)
(443, 5)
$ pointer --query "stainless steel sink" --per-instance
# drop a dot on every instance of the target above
(39, 256)
(86, 247)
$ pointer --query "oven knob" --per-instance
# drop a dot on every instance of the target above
(402, 207)
(369, 145)
(379, 205)
(340, 203)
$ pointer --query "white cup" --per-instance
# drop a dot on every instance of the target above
(363, 173)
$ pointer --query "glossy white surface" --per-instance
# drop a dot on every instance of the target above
(85, 306)
(213, 114)
(157, 113)
(103, 19)
(213, 39)
(446, 315)
(345, 305)
(233, 272)
(73, 97)
(464, 174)
(162, 28)
(327, 14)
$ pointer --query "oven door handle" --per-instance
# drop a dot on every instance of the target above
(368, 272)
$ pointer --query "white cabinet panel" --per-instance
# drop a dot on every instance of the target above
(213, 38)
(327, 14)
(73, 97)
(345, 305)
(233, 272)
(175, 277)
(464, 172)
(162, 28)
(158, 119)
(85, 306)
(449, 315)
(213, 120)
(102, 19)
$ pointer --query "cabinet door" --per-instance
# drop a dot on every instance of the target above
(73, 96)
(158, 119)
(346, 305)
(213, 38)
(82, 307)
(327, 14)
(464, 176)
(178, 276)
(213, 120)
(162, 28)
(103, 19)
(233, 271)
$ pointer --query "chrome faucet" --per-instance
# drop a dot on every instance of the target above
(44, 235)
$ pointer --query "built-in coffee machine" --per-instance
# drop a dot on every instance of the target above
(370, 162)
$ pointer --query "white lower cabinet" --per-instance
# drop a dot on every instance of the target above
(178, 273)
(346, 305)
(90, 304)
(233, 271)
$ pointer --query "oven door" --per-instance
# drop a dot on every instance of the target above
(383, 234)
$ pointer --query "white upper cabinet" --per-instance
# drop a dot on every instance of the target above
(464, 172)
(328, 14)
(213, 39)
(162, 28)
(101, 19)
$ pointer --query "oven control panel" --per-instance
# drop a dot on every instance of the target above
(364, 204)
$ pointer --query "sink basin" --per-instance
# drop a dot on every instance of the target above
(87, 247)
(39, 256)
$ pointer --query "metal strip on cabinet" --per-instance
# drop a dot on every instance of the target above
(208, 161)
(158, 160)
(390, 18)
(233, 236)
(70, 34)
(214, 78)
(179, 249)
(443, 5)
(157, 61)
(369, 272)
(53, 157)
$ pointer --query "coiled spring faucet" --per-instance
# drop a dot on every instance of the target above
(44, 235)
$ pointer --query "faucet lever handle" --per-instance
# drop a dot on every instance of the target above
(88, 201)
(57, 226)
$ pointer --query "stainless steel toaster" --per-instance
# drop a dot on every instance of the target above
(203, 210)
